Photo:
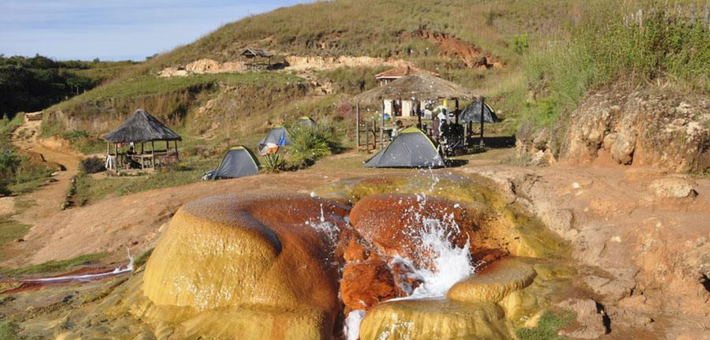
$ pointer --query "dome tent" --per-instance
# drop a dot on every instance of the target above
(276, 138)
(237, 162)
(411, 149)
(306, 121)
(472, 114)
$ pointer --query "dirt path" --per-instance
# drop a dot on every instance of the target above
(47, 200)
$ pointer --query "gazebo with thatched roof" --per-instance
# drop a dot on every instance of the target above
(140, 128)
(421, 85)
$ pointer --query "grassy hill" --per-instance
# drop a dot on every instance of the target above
(551, 52)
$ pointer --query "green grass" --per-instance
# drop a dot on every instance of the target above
(143, 258)
(601, 49)
(547, 328)
(8, 331)
(53, 266)
(91, 190)
(11, 230)
(148, 85)
(18, 173)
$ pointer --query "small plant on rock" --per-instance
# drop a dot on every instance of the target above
(273, 163)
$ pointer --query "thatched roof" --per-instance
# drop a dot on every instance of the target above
(422, 86)
(141, 127)
(400, 72)
(256, 52)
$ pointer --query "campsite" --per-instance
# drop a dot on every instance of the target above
(356, 170)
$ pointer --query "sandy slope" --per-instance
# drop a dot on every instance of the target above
(49, 198)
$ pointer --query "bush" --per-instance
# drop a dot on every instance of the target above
(273, 163)
(603, 48)
(75, 135)
(92, 165)
(310, 143)
(521, 43)
(9, 162)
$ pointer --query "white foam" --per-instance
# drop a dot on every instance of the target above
(352, 324)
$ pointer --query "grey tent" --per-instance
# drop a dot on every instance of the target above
(411, 149)
(306, 121)
(278, 136)
(472, 114)
(238, 162)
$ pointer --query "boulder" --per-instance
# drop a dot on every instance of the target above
(434, 320)
(622, 148)
(251, 259)
(366, 284)
(672, 187)
(541, 139)
(354, 251)
(589, 323)
(493, 283)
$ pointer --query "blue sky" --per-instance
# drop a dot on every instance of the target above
(115, 29)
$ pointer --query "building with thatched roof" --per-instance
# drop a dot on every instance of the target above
(140, 128)
(401, 96)
(254, 54)
(386, 77)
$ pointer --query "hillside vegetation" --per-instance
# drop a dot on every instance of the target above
(32, 84)
(550, 54)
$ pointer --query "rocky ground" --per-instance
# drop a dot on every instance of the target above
(639, 237)
(641, 233)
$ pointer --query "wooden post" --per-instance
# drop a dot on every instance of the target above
(465, 135)
(382, 124)
(367, 137)
(357, 125)
(482, 106)
(382, 132)
(456, 113)
(177, 155)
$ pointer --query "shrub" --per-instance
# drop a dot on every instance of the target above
(310, 143)
(92, 165)
(521, 43)
(273, 163)
(75, 135)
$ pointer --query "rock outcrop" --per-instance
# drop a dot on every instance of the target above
(646, 127)
(250, 262)
(394, 223)
(366, 284)
(641, 127)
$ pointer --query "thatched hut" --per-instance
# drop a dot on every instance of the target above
(140, 128)
(254, 54)
(401, 96)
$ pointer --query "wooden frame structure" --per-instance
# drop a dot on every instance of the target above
(253, 54)
(143, 129)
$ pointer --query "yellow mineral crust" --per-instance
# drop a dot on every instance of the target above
(494, 282)
(249, 261)
(439, 319)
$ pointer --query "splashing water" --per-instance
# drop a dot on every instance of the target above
(352, 324)
(448, 263)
